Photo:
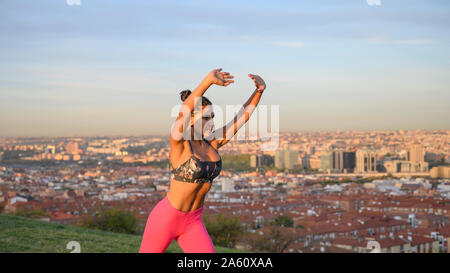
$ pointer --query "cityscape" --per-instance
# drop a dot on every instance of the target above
(327, 191)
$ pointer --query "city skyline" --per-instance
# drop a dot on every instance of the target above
(117, 68)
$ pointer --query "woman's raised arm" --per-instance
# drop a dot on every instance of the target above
(223, 135)
(214, 77)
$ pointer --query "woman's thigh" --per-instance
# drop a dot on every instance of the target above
(195, 239)
(163, 225)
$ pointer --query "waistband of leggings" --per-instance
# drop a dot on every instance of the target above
(197, 211)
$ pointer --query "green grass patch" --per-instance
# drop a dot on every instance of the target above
(20, 234)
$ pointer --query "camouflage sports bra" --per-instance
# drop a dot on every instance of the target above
(194, 170)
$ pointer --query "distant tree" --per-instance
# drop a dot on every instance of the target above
(268, 160)
(113, 220)
(275, 239)
(224, 231)
(16, 155)
(283, 221)
(135, 150)
(35, 213)
(236, 162)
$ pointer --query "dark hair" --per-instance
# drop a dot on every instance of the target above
(185, 94)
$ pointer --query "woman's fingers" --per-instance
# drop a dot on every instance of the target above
(224, 76)
(256, 78)
(227, 82)
(258, 81)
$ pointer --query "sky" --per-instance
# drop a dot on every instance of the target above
(117, 67)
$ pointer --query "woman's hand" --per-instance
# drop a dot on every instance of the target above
(259, 82)
(219, 78)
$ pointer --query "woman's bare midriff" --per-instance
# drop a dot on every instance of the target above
(186, 196)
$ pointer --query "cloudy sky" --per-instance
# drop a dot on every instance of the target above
(116, 67)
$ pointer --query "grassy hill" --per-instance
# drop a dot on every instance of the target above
(19, 234)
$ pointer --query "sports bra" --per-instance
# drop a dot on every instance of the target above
(194, 170)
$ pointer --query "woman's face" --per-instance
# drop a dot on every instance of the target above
(203, 121)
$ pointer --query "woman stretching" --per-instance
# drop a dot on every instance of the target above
(194, 162)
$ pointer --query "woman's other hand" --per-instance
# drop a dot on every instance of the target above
(259, 82)
(218, 77)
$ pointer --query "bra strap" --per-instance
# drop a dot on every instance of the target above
(210, 144)
(190, 145)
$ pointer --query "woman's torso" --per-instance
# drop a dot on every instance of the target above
(188, 196)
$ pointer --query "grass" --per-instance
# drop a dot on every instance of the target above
(20, 234)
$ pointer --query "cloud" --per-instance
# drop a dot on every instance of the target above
(373, 2)
(289, 44)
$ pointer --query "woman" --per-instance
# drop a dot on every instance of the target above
(194, 163)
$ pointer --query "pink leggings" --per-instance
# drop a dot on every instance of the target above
(166, 223)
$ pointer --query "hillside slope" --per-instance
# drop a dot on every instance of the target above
(19, 234)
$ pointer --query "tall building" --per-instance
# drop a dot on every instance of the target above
(286, 159)
(440, 172)
(256, 161)
(315, 162)
(306, 161)
(290, 159)
(416, 153)
(326, 160)
(338, 160)
(253, 161)
(366, 161)
(349, 160)
(403, 166)
(279, 159)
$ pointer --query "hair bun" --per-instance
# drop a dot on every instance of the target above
(185, 94)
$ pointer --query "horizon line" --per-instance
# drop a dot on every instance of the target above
(281, 132)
